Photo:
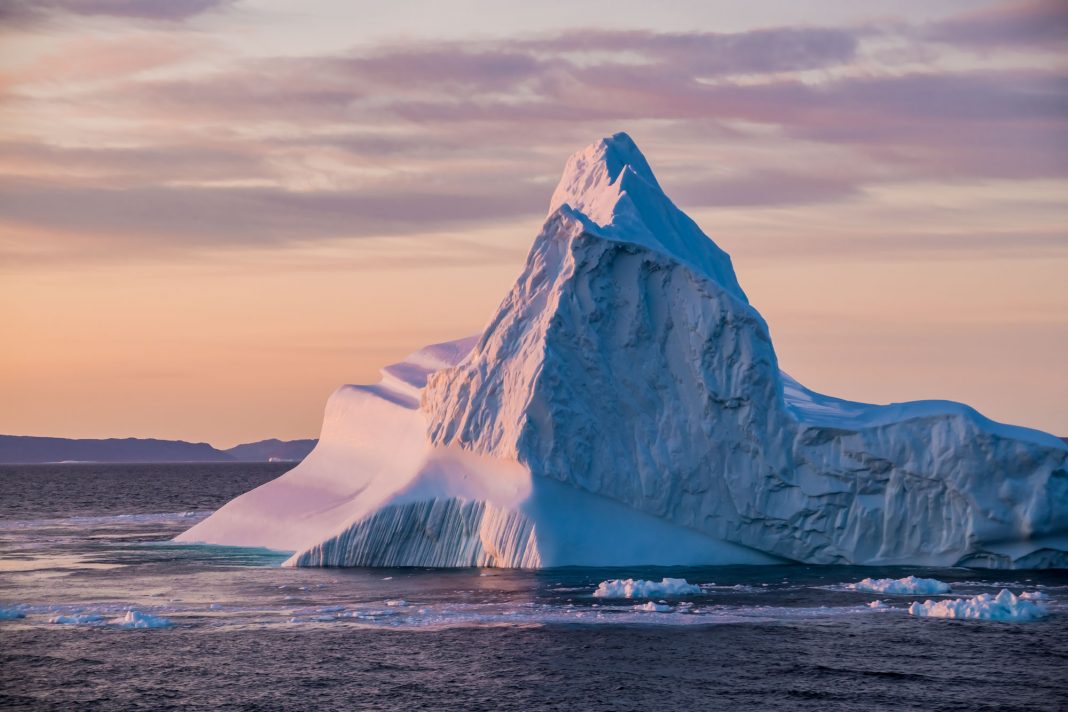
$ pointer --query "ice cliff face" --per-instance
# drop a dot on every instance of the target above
(625, 405)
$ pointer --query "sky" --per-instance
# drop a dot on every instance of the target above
(214, 212)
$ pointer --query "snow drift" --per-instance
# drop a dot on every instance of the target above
(625, 406)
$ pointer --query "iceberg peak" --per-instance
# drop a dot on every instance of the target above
(610, 188)
(591, 182)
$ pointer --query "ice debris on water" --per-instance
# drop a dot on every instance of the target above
(137, 619)
(638, 588)
(1003, 606)
(908, 585)
(130, 619)
(651, 607)
(76, 619)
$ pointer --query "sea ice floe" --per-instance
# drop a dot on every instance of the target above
(137, 619)
(76, 619)
(878, 605)
(908, 585)
(130, 619)
(986, 606)
(10, 614)
(638, 588)
(651, 607)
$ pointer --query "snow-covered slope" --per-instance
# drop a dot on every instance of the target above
(625, 406)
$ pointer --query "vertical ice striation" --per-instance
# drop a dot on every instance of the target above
(436, 533)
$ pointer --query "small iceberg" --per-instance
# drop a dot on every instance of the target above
(986, 606)
(11, 614)
(651, 607)
(638, 588)
(137, 619)
(909, 585)
(878, 605)
(130, 619)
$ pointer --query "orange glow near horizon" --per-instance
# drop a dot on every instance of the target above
(207, 224)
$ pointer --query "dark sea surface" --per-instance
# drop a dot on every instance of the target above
(85, 544)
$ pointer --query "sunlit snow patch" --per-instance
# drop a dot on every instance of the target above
(986, 606)
(908, 585)
(638, 588)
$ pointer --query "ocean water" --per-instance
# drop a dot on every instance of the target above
(227, 628)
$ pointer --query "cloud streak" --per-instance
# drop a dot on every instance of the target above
(139, 143)
(162, 10)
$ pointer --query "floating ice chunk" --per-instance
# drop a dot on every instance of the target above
(908, 585)
(879, 605)
(137, 619)
(10, 614)
(637, 588)
(1034, 596)
(396, 602)
(76, 619)
(653, 607)
(986, 606)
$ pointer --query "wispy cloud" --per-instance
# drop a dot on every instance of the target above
(143, 140)
(1025, 25)
(165, 10)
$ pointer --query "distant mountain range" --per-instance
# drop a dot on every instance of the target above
(26, 449)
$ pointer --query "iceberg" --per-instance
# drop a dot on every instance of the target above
(908, 585)
(625, 406)
(986, 606)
